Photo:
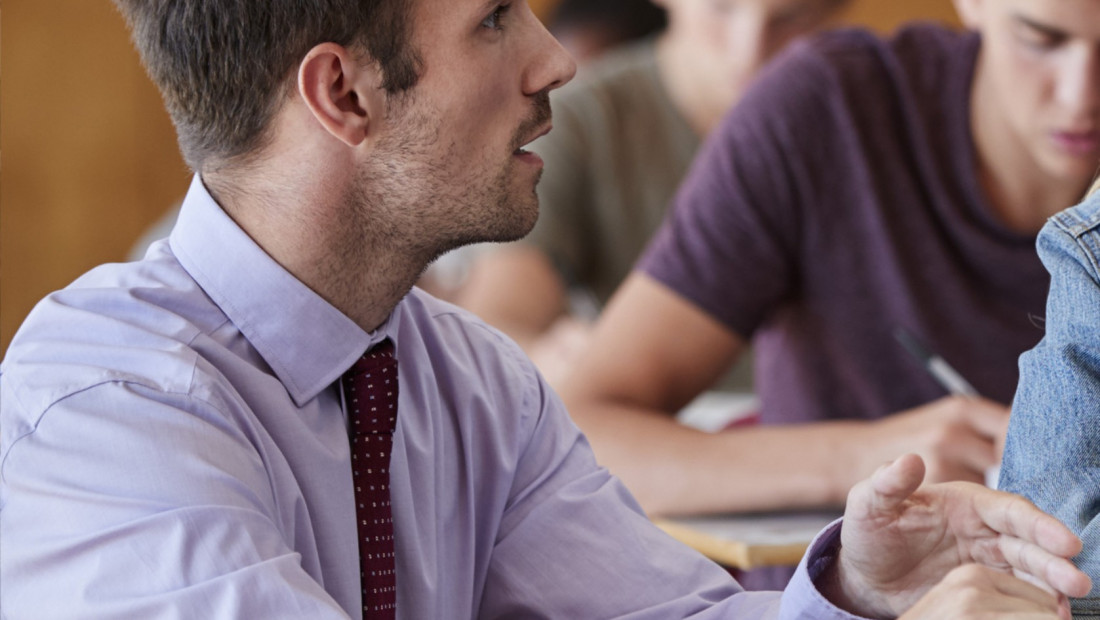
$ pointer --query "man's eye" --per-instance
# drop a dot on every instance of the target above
(493, 21)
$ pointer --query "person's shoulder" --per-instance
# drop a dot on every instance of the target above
(854, 50)
(931, 55)
(855, 66)
(443, 326)
(811, 68)
(1072, 236)
(827, 51)
(118, 323)
(802, 84)
(920, 39)
(1080, 220)
(925, 39)
(457, 351)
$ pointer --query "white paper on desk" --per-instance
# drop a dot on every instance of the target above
(712, 411)
(778, 528)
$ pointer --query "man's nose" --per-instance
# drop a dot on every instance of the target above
(552, 67)
(1078, 87)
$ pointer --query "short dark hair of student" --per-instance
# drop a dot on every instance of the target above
(224, 66)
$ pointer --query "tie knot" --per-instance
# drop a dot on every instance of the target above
(377, 357)
(370, 391)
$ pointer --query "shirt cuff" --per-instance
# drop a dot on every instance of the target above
(802, 599)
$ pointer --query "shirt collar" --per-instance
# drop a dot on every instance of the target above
(306, 341)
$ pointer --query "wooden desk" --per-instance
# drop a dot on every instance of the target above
(748, 541)
(742, 541)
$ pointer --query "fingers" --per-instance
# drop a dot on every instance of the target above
(1014, 587)
(973, 591)
(988, 418)
(971, 451)
(958, 437)
(1030, 540)
(1015, 516)
(887, 489)
(1065, 612)
(1044, 569)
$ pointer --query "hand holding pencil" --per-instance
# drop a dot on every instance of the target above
(959, 437)
(955, 384)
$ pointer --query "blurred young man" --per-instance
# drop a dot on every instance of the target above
(862, 188)
(264, 419)
(625, 134)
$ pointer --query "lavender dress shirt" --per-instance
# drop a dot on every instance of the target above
(174, 446)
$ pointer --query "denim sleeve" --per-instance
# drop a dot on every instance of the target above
(1052, 455)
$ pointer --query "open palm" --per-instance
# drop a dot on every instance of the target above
(899, 539)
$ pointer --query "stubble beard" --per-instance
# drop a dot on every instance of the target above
(501, 208)
(417, 201)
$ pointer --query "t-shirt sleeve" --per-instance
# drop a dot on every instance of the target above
(731, 243)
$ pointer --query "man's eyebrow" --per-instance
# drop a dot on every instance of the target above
(1050, 31)
(486, 7)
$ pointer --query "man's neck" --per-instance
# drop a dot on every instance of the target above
(1021, 194)
(312, 235)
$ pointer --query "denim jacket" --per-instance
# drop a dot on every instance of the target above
(1052, 455)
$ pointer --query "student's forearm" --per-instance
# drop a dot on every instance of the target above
(673, 469)
(517, 290)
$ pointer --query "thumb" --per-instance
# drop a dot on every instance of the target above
(890, 485)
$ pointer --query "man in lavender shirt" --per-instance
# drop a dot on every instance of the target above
(174, 440)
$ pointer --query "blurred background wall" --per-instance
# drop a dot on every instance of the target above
(88, 157)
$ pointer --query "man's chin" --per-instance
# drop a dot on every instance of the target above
(501, 231)
(520, 221)
(514, 232)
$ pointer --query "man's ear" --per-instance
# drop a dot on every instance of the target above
(342, 91)
(970, 13)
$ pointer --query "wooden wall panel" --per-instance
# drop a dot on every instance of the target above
(89, 156)
(886, 15)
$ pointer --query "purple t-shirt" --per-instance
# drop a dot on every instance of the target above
(840, 201)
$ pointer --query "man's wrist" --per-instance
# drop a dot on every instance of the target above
(833, 581)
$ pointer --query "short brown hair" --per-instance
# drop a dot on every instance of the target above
(223, 66)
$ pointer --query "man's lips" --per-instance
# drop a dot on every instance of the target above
(542, 132)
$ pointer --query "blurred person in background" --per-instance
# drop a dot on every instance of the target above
(864, 187)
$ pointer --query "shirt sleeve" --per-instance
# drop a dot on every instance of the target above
(1052, 454)
(573, 543)
(178, 522)
(731, 244)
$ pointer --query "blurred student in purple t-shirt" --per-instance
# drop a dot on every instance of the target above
(863, 186)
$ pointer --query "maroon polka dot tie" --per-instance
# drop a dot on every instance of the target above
(370, 391)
